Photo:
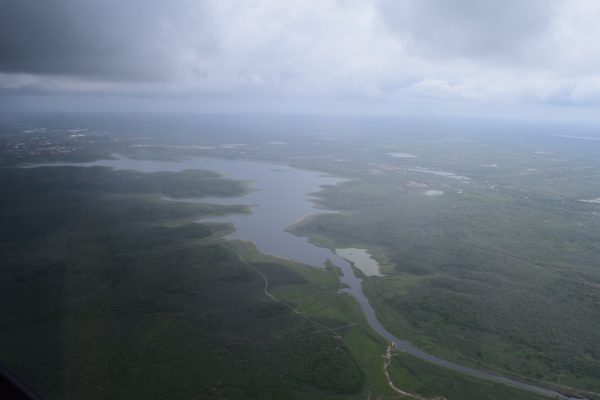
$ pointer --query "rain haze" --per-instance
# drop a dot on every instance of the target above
(530, 58)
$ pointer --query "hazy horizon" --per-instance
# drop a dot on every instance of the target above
(524, 60)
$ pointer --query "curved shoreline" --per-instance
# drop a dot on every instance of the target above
(354, 283)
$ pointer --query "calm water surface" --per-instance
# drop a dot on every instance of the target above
(280, 197)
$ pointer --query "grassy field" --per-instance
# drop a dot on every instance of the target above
(417, 376)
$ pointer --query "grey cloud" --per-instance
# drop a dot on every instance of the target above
(469, 28)
(98, 39)
(250, 52)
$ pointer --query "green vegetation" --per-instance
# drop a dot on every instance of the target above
(114, 293)
(110, 293)
(416, 376)
(499, 278)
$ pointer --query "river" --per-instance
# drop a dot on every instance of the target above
(280, 196)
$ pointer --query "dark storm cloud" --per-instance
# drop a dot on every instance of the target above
(469, 28)
(379, 53)
(100, 39)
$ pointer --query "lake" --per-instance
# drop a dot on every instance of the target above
(281, 196)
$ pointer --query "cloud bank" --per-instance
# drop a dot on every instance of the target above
(513, 53)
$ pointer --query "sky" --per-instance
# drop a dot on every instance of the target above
(510, 58)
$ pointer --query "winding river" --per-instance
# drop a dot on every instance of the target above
(281, 195)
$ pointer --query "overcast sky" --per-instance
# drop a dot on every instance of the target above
(509, 57)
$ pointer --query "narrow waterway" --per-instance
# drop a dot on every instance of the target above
(280, 196)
